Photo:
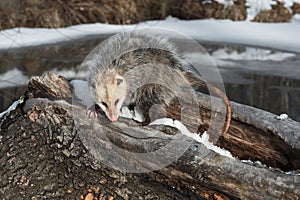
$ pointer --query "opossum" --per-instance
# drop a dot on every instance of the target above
(140, 71)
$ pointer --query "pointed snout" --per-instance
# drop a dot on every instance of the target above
(113, 118)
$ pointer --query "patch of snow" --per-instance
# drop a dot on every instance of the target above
(296, 18)
(250, 54)
(247, 161)
(171, 18)
(13, 78)
(255, 6)
(282, 116)
(11, 107)
(204, 139)
(293, 173)
(225, 2)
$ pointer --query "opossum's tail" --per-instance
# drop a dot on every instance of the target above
(195, 82)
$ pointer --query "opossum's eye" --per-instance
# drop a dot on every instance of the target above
(119, 81)
(116, 102)
(103, 103)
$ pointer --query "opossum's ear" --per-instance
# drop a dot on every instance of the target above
(119, 81)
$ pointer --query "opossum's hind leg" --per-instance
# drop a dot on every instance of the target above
(144, 111)
(173, 110)
(146, 115)
(151, 112)
(131, 108)
(185, 113)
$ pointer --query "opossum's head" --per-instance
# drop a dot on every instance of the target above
(110, 94)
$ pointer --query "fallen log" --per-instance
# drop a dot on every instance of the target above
(50, 149)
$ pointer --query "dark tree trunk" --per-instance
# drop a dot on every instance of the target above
(48, 152)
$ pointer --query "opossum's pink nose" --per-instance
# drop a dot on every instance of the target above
(113, 118)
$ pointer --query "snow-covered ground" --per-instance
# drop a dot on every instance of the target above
(284, 36)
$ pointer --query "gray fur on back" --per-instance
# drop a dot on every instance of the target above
(136, 48)
(112, 48)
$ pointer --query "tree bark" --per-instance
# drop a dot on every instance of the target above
(49, 149)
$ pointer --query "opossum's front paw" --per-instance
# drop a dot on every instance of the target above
(131, 108)
(93, 111)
